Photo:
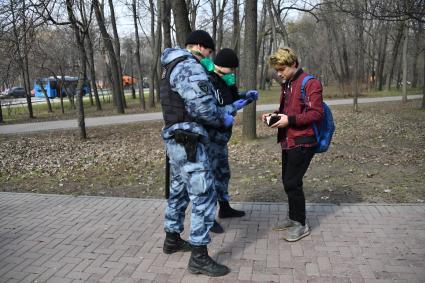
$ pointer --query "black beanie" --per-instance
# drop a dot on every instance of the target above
(226, 57)
(200, 37)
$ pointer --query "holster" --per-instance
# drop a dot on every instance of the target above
(189, 141)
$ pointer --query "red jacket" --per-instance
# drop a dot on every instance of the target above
(301, 116)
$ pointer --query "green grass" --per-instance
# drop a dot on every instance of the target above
(20, 114)
(272, 96)
(269, 96)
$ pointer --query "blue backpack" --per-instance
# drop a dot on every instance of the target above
(327, 126)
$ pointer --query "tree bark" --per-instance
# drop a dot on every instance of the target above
(405, 43)
(394, 53)
(43, 90)
(117, 49)
(21, 52)
(423, 86)
(83, 70)
(157, 57)
(154, 36)
(261, 32)
(138, 59)
(357, 46)
(166, 16)
(1, 114)
(418, 41)
(93, 72)
(115, 71)
(181, 21)
(382, 52)
(220, 18)
(236, 36)
(250, 76)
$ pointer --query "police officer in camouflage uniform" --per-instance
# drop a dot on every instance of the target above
(188, 104)
(222, 75)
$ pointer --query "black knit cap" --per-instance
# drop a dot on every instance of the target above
(201, 37)
(226, 57)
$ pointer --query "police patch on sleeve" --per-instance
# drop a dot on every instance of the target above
(205, 86)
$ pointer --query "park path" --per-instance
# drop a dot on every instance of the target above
(58, 238)
(132, 118)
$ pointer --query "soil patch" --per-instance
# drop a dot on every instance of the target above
(377, 155)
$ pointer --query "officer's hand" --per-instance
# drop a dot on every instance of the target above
(241, 103)
(228, 120)
(252, 94)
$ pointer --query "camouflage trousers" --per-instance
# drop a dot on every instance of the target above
(220, 167)
(190, 181)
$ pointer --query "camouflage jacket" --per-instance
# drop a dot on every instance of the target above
(190, 80)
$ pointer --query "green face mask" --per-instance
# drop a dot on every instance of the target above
(207, 63)
(229, 79)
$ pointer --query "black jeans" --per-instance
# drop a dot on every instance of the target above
(295, 163)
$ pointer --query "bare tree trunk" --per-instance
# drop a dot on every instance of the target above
(220, 16)
(236, 35)
(166, 16)
(213, 7)
(395, 50)
(261, 32)
(138, 59)
(93, 72)
(1, 113)
(263, 63)
(117, 49)
(358, 44)
(181, 20)
(59, 90)
(423, 86)
(115, 70)
(282, 28)
(49, 105)
(83, 70)
(381, 57)
(274, 34)
(154, 37)
(250, 76)
(418, 41)
(158, 44)
(405, 43)
(193, 11)
(21, 52)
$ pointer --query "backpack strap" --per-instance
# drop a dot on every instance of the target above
(303, 83)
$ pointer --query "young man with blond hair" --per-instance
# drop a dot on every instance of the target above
(296, 136)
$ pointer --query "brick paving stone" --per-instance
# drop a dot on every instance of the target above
(51, 238)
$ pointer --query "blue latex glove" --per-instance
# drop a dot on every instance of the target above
(252, 94)
(241, 103)
(228, 120)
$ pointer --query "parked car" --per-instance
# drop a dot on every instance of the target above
(14, 92)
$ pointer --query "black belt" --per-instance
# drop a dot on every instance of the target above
(305, 140)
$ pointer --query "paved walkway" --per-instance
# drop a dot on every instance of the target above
(131, 118)
(50, 238)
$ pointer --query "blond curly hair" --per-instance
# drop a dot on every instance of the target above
(283, 57)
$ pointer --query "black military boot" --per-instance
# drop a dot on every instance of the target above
(201, 263)
(216, 228)
(226, 211)
(173, 243)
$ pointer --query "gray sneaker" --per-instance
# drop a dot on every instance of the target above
(296, 232)
(287, 223)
